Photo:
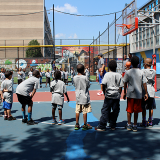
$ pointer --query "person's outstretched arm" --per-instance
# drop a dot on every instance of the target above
(33, 93)
(125, 87)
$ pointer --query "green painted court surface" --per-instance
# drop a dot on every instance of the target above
(52, 142)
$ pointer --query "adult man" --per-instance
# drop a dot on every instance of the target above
(124, 65)
(102, 72)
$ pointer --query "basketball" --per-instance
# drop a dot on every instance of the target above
(128, 64)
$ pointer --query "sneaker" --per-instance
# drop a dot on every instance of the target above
(54, 121)
(150, 124)
(11, 118)
(25, 120)
(100, 129)
(61, 122)
(129, 128)
(134, 129)
(113, 128)
(100, 93)
(86, 127)
(5, 118)
(143, 124)
(77, 127)
(31, 122)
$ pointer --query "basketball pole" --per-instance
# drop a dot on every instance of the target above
(154, 53)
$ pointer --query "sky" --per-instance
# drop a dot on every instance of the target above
(73, 27)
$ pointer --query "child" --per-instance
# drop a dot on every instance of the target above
(48, 75)
(58, 90)
(134, 78)
(30, 73)
(150, 103)
(112, 87)
(65, 77)
(20, 76)
(7, 96)
(54, 69)
(82, 85)
(40, 77)
(2, 78)
(72, 74)
(87, 72)
(24, 74)
(62, 74)
(25, 96)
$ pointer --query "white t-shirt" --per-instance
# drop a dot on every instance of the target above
(62, 74)
(82, 85)
(48, 74)
(135, 79)
(112, 82)
(65, 75)
(2, 77)
(27, 86)
(150, 76)
(20, 75)
(58, 89)
(30, 74)
(8, 85)
(72, 73)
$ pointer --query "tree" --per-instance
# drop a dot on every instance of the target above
(33, 51)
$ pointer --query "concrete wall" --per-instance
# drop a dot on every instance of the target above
(15, 29)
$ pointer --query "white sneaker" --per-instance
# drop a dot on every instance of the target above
(100, 93)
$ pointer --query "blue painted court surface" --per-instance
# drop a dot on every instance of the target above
(52, 142)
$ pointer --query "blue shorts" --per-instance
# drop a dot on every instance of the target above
(7, 105)
(101, 77)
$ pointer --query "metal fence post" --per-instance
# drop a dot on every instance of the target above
(18, 57)
(99, 41)
(108, 46)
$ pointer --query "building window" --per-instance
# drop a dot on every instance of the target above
(144, 34)
(157, 30)
(151, 42)
(136, 45)
(140, 36)
(144, 43)
(148, 35)
(140, 45)
(136, 37)
(148, 42)
(157, 40)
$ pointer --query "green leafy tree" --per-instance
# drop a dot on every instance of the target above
(33, 51)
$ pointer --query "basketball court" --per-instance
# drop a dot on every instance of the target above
(46, 141)
(53, 142)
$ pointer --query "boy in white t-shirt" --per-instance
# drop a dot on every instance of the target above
(20, 76)
(48, 75)
(7, 96)
(150, 103)
(112, 88)
(25, 92)
(58, 89)
(65, 77)
(30, 72)
(62, 74)
(134, 79)
(82, 85)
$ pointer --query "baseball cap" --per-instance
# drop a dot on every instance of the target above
(100, 54)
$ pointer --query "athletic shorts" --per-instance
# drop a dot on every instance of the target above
(19, 81)
(134, 105)
(7, 105)
(24, 99)
(48, 80)
(149, 104)
(83, 108)
(54, 106)
(101, 77)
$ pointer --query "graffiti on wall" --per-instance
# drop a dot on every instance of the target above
(8, 63)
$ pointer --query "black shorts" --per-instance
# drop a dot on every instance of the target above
(19, 81)
(47, 80)
(149, 104)
(24, 99)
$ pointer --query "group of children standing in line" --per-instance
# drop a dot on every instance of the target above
(138, 88)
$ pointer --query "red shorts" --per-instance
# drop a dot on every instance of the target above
(134, 105)
(123, 74)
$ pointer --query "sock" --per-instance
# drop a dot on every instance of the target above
(134, 125)
(128, 124)
(150, 118)
(23, 114)
(29, 116)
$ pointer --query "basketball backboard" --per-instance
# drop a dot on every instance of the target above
(129, 18)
